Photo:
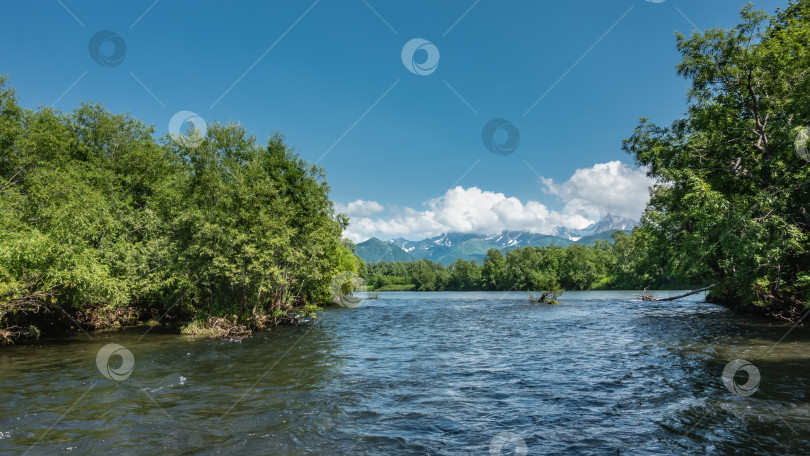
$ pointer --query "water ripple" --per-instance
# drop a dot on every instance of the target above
(425, 373)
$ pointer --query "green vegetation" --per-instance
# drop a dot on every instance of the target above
(102, 224)
(625, 263)
(732, 204)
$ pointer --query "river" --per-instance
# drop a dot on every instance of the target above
(425, 373)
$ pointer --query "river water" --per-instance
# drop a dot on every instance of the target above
(425, 373)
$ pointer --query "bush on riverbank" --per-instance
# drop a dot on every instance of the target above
(103, 224)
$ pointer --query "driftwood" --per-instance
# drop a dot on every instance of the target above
(547, 297)
(542, 298)
(645, 297)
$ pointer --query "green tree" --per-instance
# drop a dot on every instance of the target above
(464, 275)
(492, 272)
(423, 275)
(731, 204)
(101, 222)
(580, 268)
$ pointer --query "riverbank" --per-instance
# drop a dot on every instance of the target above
(49, 322)
(57, 324)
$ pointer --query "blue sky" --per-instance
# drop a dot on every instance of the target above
(403, 152)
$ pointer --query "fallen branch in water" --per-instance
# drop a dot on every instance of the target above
(547, 297)
(645, 297)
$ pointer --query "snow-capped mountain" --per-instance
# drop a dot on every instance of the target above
(448, 247)
(608, 223)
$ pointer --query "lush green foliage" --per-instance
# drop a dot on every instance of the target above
(732, 204)
(101, 222)
(622, 264)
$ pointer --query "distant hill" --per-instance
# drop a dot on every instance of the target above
(375, 250)
(449, 247)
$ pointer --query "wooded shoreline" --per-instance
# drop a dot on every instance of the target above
(102, 224)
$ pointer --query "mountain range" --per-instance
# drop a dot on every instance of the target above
(449, 247)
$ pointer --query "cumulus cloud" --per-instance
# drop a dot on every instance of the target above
(461, 210)
(612, 187)
(588, 194)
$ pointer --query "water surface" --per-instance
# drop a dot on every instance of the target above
(425, 373)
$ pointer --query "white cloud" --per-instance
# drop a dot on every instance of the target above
(360, 208)
(612, 187)
(590, 193)
(470, 210)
